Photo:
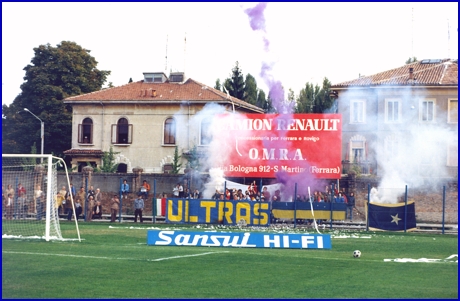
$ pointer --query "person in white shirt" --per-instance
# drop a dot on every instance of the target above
(176, 191)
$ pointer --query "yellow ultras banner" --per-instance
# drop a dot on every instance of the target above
(201, 211)
(307, 214)
(198, 211)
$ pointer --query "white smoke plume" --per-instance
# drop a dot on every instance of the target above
(412, 152)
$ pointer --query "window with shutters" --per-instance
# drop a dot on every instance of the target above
(122, 132)
(452, 111)
(427, 110)
(169, 132)
(358, 108)
(392, 110)
(205, 136)
(85, 131)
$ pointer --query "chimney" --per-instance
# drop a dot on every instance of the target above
(154, 93)
(411, 73)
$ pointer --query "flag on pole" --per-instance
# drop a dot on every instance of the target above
(392, 217)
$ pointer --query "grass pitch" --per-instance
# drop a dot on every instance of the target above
(114, 261)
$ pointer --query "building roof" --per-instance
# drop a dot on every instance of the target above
(424, 73)
(166, 92)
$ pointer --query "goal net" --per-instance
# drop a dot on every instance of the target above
(31, 203)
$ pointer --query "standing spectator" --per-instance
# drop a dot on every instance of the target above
(339, 198)
(181, 191)
(138, 207)
(73, 191)
(69, 208)
(345, 198)
(82, 196)
(252, 188)
(125, 189)
(114, 209)
(39, 202)
(62, 200)
(91, 192)
(98, 196)
(21, 191)
(197, 194)
(97, 210)
(78, 209)
(68, 201)
(9, 206)
(89, 210)
(187, 194)
(22, 197)
(145, 189)
(266, 194)
(216, 195)
(176, 190)
(350, 206)
(9, 190)
(277, 195)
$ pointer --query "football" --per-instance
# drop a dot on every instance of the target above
(356, 253)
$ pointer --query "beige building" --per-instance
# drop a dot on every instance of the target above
(144, 121)
(404, 118)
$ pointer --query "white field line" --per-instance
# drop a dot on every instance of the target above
(112, 258)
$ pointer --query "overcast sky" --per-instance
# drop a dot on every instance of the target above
(305, 42)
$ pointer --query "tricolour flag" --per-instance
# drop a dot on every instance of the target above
(392, 217)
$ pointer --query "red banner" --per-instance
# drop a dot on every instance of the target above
(255, 145)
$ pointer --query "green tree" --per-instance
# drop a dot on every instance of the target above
(54, 74)
(235, 84)
(261, 99)
(176, 165)
(130, 80)
(108, 162)
(250, 89)
(314, 99)
(193, 158)
(218, 85)
(411, 60)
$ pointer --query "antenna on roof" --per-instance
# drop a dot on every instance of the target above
(166, 57)
(412, 32)
(448, 39)
(228, 97)
(185, 44)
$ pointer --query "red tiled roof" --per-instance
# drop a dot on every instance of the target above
(141, 91)
(425, 73)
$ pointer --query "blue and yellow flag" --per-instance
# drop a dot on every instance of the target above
(392, 217)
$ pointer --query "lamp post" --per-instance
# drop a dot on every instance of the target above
(42, 132)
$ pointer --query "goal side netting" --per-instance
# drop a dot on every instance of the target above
(31, 202)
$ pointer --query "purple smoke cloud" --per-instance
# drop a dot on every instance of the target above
(257, 20)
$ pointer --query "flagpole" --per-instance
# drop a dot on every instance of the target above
(443, 206)
(295, 206)
(405, 211)
(368, 203)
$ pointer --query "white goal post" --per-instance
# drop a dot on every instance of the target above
(30, 197)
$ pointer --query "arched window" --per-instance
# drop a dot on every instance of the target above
(170, 131)
(122, 132)
(85, 131)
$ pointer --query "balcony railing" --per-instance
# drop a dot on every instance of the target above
(364, 168)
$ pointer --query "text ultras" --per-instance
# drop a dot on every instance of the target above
(217, 212)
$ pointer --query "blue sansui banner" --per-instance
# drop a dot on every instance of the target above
(238, 240)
